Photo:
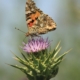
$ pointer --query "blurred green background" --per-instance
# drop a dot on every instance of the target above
(66, 13)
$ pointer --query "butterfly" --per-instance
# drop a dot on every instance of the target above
(37, 22)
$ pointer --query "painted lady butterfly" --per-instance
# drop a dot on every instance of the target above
(37, 22)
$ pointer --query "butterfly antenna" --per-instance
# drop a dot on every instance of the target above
(20, 30)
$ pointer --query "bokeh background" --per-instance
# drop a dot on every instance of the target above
(66, 13)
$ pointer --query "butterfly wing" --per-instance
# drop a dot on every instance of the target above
(37, 21)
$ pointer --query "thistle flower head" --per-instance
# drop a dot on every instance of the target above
(36, 45)
(43, 66)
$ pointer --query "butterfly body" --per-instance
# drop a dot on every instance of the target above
(37, 22)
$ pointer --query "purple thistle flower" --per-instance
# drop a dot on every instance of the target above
(36, 45)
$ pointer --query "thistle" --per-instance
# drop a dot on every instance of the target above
(40, 62)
